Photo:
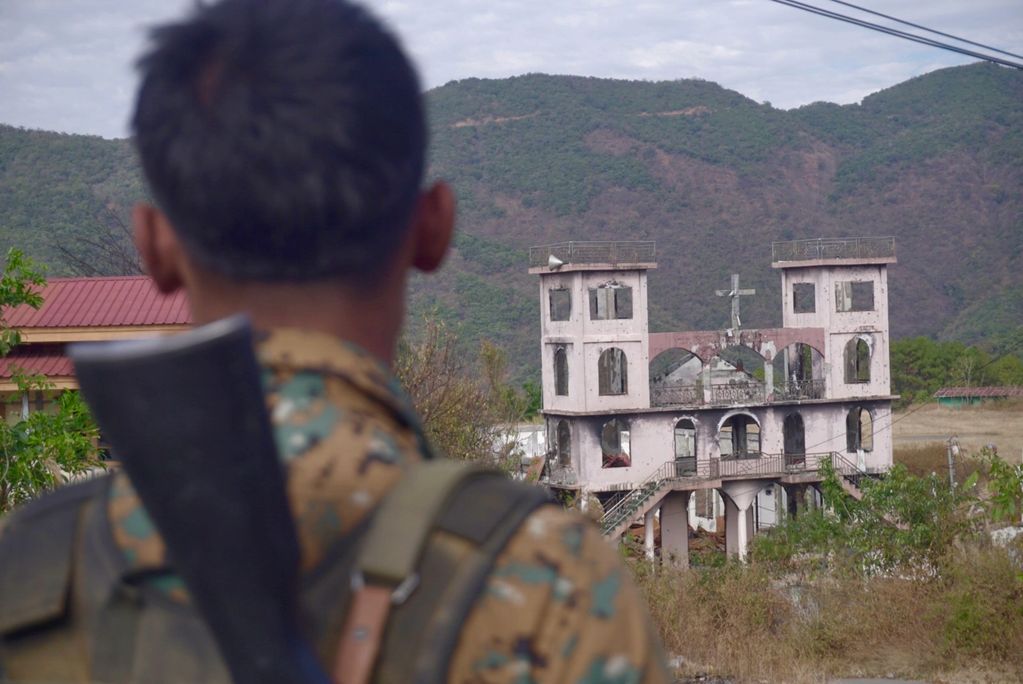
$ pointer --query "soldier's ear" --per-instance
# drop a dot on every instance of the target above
(433, 226)
(159, 247)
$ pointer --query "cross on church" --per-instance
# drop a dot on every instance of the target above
(734, 294)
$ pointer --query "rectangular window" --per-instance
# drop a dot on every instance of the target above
(804, 296)
(561, 304)
(854, 296)
(610, 302)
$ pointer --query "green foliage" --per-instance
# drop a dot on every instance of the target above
(1005, 487)
(19, 285)
(921, 366)
(46, 448)
(903, 522)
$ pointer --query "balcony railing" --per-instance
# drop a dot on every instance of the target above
(834, 248)
(676, 395)
(615, 253)
(736, 393)
(800, 389)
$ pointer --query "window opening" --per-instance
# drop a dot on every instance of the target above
(560, 304)
(560, 372)
(854, 296)
(795, 440)
(612, 372)
(739, 437)
(615, 444)
(564, 444)
(857, 361)
(610, 301)
(859, 430)
(685, 446)
(804, 298)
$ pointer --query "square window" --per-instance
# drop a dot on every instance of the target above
(610, 302)
(854, 296)
(561, 304)
(804, 296)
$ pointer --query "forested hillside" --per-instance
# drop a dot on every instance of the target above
(710, 175)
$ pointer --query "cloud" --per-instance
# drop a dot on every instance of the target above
(67, 66)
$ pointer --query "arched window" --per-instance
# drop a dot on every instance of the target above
(560, 372)
(740, 437)
(859, 430)
(794, 435)
(615, 444)
(564, 444)
(612, 372)
(857, 360)
(685, 445)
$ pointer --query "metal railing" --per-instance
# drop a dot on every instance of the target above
(719, 395)
(625, 252)
(676, 395)
(738, 393)
(799, 389)
(726, 395)
(623, 507)
(833, 248)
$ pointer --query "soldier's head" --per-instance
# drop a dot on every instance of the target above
(284, 143)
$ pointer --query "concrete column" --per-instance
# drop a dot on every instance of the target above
(769, 377)
(648, 534)
(675, 529)
(739, 496)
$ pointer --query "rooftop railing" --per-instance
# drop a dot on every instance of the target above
(834, 248)
(615, 253)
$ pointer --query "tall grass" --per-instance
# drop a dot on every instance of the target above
(750, 623)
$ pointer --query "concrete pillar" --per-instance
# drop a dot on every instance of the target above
(769, 377)
(739, 496)
(648, 534)
(675, 529)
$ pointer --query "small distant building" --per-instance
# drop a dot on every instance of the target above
(956, 397)
(80, 310)
(734, 425)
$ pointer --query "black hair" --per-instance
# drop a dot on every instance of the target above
(284, 139)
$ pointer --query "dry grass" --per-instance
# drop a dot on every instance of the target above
(740, 622)
(998, 423)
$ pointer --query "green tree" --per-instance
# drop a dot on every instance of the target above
(44, 449)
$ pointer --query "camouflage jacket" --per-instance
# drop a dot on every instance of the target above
(558, 607)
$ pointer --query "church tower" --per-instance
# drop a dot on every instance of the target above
(841, 285)
(594, 350)
(594, 341)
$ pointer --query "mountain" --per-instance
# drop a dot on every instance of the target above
(709, 174)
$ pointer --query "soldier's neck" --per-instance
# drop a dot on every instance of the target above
(371, 319)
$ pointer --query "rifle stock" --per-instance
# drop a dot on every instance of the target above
(187, 416)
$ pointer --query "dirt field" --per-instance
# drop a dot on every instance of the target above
(999, 424)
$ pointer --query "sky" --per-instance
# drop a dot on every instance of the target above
(66, 65)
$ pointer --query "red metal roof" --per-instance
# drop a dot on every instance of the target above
(102, 302)
(951, 392)
(37, 359)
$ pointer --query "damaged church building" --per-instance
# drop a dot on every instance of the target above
(707, 428)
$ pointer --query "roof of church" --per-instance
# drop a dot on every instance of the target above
(102, 302)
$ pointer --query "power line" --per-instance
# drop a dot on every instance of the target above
(924, 28)
(895, 32)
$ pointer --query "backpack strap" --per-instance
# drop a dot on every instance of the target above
(37, 551)
(437, 495)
